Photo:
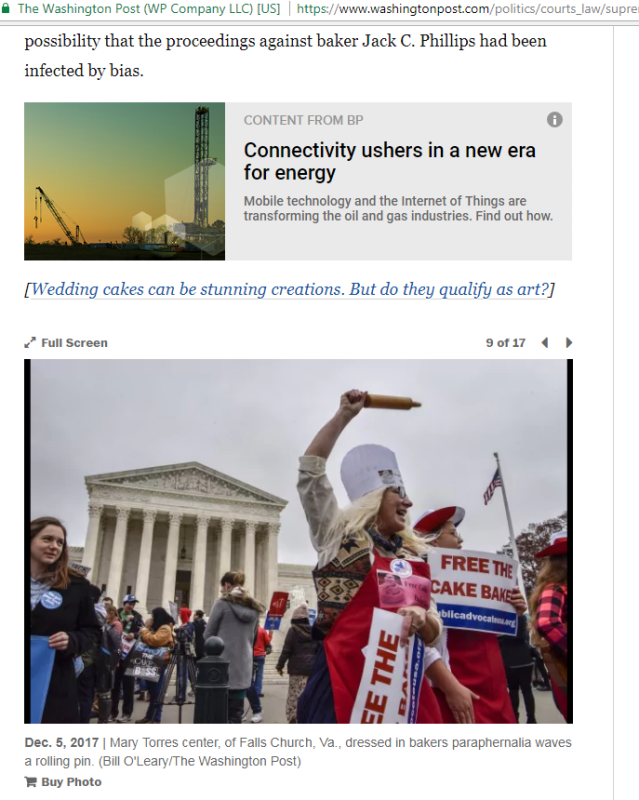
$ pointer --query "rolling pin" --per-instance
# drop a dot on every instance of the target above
(388, 401)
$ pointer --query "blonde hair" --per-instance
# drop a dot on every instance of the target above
(362, 514)
(428, 539)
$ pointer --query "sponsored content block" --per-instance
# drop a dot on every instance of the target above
(399, 181)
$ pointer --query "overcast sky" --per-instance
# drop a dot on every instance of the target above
(252, 419)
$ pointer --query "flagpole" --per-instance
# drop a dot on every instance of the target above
(513, 543)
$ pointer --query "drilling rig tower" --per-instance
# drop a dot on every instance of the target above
(202, 164)
(199, 231)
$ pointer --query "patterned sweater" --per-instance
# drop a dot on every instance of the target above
(342, 562)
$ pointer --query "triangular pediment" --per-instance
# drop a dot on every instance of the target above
(191, 478)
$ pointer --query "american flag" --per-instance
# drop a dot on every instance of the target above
(494, 484)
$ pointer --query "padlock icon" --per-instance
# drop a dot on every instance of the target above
(5, 8)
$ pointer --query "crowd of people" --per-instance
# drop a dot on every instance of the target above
(465, 677)
(469, 676)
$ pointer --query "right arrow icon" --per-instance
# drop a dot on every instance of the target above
(568, 342)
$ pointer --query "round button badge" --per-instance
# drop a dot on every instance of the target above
(401, 567)
(51, 600)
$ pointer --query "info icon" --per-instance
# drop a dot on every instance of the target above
(554, 119)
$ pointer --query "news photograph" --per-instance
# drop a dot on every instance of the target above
(299, 541)
(124, 181)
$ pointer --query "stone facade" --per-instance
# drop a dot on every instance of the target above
(297, 580)
(171, 532)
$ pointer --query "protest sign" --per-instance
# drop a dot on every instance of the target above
(392, 676)
(272, 623)
(396, 591)
(146, 662)
(81, 568)
(278, 604)
(42, 658)
(472, 590)
(125, 647)
(174, 611)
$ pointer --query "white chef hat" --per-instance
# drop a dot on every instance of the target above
(369, 467)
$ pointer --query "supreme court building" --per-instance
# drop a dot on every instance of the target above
(171, 532)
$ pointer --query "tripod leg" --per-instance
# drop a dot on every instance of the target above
(166, 679)
(180, 693)
(185, 663)
(192, 670)
(182, 681)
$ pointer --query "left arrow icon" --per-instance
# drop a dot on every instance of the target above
(545, 342)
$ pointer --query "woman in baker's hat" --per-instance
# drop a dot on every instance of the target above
(473, 657)
(549, 615)
(372, 534)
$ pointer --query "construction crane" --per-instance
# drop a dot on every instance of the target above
(75, 240)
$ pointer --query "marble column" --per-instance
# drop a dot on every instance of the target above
(224, 564)
(249, 557)
(117, 554)
(273, 531)
(144, 563)
(198, 574)
(261, 568)
(170, 565)
(91, 542)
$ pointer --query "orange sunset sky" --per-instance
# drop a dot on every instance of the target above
(103, 163)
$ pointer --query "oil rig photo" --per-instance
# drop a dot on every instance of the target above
(181, 237)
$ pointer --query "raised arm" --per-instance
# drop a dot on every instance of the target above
(350, 404)
(315, 491)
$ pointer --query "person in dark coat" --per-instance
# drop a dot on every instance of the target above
(92, 659)
(198, 633)
(132, 624)
(518, 662)
(299, 651)
(62, 609)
